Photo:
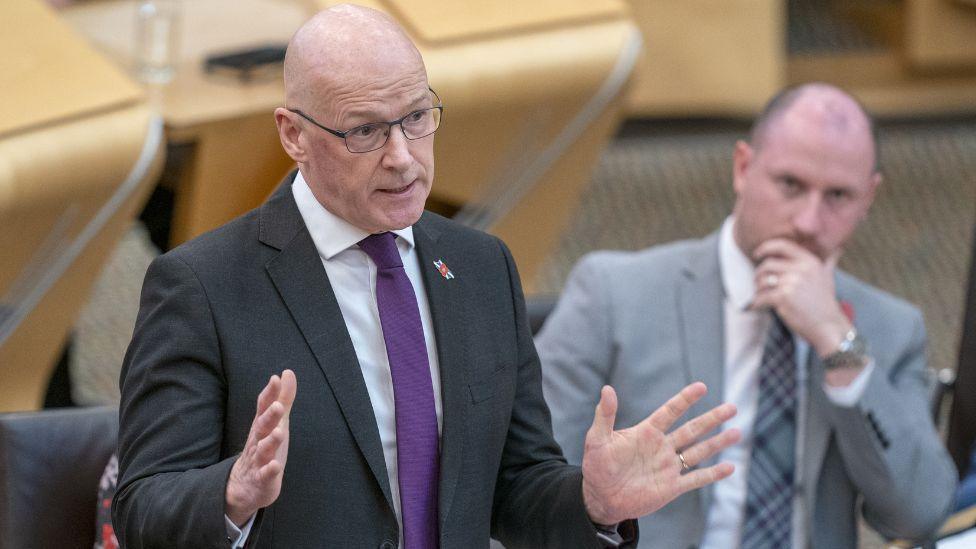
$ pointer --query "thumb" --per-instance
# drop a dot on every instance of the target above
(605, 415)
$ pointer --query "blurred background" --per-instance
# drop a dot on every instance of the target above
(128, 127)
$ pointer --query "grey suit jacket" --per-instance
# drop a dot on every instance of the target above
(224, 312)
(650, 322)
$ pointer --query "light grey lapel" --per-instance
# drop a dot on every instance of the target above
(300, 278)
(700, 299)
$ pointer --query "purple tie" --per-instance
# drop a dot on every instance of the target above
(413, 392)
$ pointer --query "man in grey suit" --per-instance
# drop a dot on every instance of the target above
(827, 372)
(408, 410)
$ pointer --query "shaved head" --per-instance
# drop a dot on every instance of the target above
(344, 45)
(837, 114)
(809, 172)
(353, 71)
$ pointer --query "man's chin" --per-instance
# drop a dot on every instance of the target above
(403, 220)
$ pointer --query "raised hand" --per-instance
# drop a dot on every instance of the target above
(636, 471)
(255, 479)
(799, 286)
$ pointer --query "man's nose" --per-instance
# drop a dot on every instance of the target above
(808, 219)
(396, 151)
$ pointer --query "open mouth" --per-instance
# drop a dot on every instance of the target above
(399, 190)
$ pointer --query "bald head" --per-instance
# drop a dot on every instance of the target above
(825, 108)
(343, 47)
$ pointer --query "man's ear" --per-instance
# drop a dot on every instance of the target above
(876, 180)
(290, 132)
(741, 158)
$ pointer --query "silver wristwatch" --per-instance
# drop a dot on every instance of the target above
(851, 353)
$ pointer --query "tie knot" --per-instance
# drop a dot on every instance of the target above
(382, 249)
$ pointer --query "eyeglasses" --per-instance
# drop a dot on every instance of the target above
(369, 137)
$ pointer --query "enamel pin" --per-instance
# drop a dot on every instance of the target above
(443, 269)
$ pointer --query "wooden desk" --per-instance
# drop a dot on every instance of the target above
(229, 122)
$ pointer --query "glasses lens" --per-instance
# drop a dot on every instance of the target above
(367, 137)
(421, 123)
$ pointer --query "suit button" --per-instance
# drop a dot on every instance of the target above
(387, 544)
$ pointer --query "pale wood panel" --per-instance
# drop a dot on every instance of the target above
(435, 22)
(40, 195)
(886, 86)
(49, 73)
(708, 57)
(507, 98)
(940, 34)
(237, 163)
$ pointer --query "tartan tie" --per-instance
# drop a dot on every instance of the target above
(413, 392)
(770, 488)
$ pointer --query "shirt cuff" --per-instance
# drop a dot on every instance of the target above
(238, 536)
(849, 395)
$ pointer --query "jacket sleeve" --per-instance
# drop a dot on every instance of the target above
(891, 449)
(538, 497)
(172, 476)
(575, 347)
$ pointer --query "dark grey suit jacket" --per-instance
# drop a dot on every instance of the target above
(224, 312)
(649, 322)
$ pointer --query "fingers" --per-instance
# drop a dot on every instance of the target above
(273, 406)
(255, 478)
(702, 451)
(268, 446)
(676, 406)
(693, 480)
(604, 417)
(771, 265)
(270, 470)
(268, 395)
(700, 426)
(266, 422)
(778, 247)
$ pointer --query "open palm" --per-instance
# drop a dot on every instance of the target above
(636, 471)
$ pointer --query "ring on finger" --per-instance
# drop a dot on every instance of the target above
(771, 280)
(684, 464)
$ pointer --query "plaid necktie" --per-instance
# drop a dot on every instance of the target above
(769, 496)
(413, 392)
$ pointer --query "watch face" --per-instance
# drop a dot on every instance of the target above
(851, 353)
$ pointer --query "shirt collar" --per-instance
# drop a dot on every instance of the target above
(331, 233)
(738, 272)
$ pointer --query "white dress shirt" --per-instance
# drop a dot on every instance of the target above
(352, 275)
(745, 336)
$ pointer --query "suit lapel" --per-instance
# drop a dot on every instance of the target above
(300, 279)
(700, 298)
(445, 299)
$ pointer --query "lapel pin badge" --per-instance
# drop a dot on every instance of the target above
(443, 269)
